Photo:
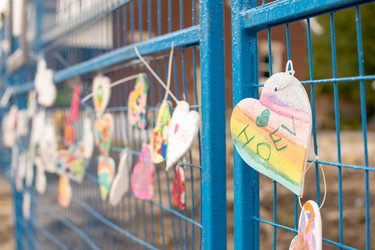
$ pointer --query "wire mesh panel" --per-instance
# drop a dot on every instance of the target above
(81, 39)
(328, 42)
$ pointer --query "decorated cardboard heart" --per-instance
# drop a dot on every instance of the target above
(272, 134)
(101, 89)
(309, 229)
(137, 103)
(106, 174)
(40, 179)
(120, 184)
(143, 175)
(183, 129)
(103, 133)
(48, 148)
(44, 85)
(159, 139)
(38, 127)
(178, 188)
(9, 127)
(88, 139)
(65, 192)
(72, 163)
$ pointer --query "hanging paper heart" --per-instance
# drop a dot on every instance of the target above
(40, 180)
(31, 104)
(309, 229)
(101, 89)
(22, 123)
(44, 85)
(137, 103)
(21, 171)
(272, 134)
(74, 105)
(48, 148)
(38, 127)
(106, 174)
(182, 132)
(159, 139)
(103, 133)
(120, 184)
(29, 170)
(88, 139)
(178, 188)
(72, 163)
(65, 192)
(143, 175)
(9, 127)
(26, 205)
(69, 132)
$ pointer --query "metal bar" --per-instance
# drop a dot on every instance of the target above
(284, 11)
(246, 180)
(213, 177)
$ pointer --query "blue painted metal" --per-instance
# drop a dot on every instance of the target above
(213, 190)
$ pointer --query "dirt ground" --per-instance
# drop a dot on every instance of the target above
(353, 196)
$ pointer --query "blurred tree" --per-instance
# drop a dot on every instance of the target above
(347, 54)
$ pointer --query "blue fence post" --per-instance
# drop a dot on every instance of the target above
(213, 187)
(245, 78)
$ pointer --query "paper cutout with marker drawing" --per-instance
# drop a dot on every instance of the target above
(47, 150)
(183, 129)
(38, 127)
(159, 139)
(120, 184)
(26, 204)
(309, 229)
(75, 103)
(143, 175)
(9, 127)
(44, 85)
(101, 90)
(103, 133)
(69, 132)
(72, 163)
(272, 134)
(65, 192)
(137, 103)
(106, 174)
(88, 139)
(178, 188)
(40, 178)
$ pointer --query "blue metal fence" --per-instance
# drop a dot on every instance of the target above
(249, 20)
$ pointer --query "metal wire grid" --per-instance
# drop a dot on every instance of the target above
(284, 228)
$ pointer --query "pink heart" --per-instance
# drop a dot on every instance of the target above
(143, 175)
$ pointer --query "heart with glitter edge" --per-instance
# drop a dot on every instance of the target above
(272, 134)
(183, 129)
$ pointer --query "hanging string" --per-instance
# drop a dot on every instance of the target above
(118, 82)
(169, 74)
(155, 75)
(316, 158)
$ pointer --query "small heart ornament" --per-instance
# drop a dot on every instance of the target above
(272, 134)
(48, 148)
(75, 103)
(159, 139)
(65, 192)
(142, 177)
(137, 103)
(72, 163)
(106, 174)
(309, 230)
(101, 89)
(178, 188)
(103, 133)
(44, 85)
(120, 185)
(183, 129)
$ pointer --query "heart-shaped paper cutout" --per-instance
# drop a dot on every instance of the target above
(137, 103)
(75, 103)
(106, 174)
(22, 123)
(278, 149)
(9, 127)
(178, 188)
(101, 90)
(103, 133)
(142, 177)
(65, 192)
(38, 127)
(44, 85)
(183, 129)
(309, 229)
(40, 179)
(48, 148)
(88, 139)
(31, 104)
(72, 163)
(120, 184)
(159, 139)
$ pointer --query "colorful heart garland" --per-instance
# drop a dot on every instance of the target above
(272, 134)
(137, 103)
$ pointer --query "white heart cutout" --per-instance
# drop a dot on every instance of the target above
(44, 85)
(101, 90)
(120, 185)
(183, 130)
